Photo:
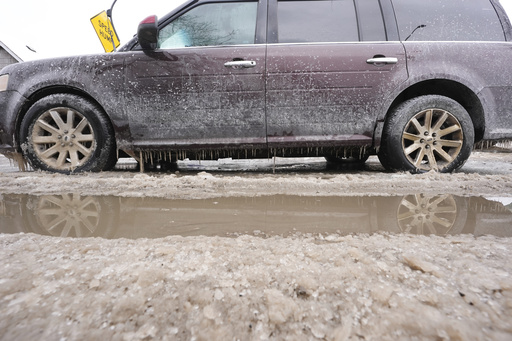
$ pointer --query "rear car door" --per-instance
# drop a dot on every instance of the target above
(203, 86)
(329, 67)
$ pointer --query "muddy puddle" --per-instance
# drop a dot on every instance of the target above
(72, 215)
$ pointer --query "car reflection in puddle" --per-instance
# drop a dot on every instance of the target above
(72, 215)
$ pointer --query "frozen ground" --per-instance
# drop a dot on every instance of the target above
(358, 287)
(484, 174)
(380, 287)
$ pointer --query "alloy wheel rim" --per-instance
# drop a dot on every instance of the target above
(68, 215)
(432, 139)
(422, 214)
(63, 138)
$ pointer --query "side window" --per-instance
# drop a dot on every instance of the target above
(316, 21)
(453, 20)
(211, 24)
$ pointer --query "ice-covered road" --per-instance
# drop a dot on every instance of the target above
(484, 174)
(303, 287)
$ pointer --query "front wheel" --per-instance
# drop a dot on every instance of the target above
(427, 133)
(67, 133)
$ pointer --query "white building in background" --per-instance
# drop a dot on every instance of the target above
(7, 56)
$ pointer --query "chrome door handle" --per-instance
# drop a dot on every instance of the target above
(382, 60)
(239, 64)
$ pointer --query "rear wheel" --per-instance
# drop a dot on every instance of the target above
(427, 133)
(67, 133)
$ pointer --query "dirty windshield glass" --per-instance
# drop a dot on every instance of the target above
(210, 25)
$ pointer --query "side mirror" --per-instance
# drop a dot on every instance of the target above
(147, 33)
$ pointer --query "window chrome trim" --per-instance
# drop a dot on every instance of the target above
(205, 47)
(337, 43)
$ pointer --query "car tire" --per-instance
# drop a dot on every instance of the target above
(424, 214)
(427, 133)
(67, 133)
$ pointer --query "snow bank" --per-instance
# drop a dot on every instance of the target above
(208, 185)
(486, 174)
(305, 287)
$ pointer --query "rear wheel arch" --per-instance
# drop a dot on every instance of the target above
(447, 88)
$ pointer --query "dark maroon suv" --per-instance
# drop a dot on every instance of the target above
(416, 82)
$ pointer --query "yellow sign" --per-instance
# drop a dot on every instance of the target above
(105, 31)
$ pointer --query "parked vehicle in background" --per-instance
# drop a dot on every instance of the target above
(415, 82)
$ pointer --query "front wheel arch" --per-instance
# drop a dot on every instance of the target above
(59, 129)
(49, 91)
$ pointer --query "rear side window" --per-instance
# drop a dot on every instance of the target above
(447, 20)
(211, 24)
(317, 21)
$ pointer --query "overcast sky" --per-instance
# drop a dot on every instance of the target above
(62, 27)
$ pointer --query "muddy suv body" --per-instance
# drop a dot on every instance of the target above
(417, 83)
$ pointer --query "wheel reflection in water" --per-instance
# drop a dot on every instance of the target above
(68, 215)
(422, 214)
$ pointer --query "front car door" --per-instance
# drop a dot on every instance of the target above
(329, 68)
(203, 87)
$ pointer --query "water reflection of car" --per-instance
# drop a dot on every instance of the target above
(114, 217)
(415, 82)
